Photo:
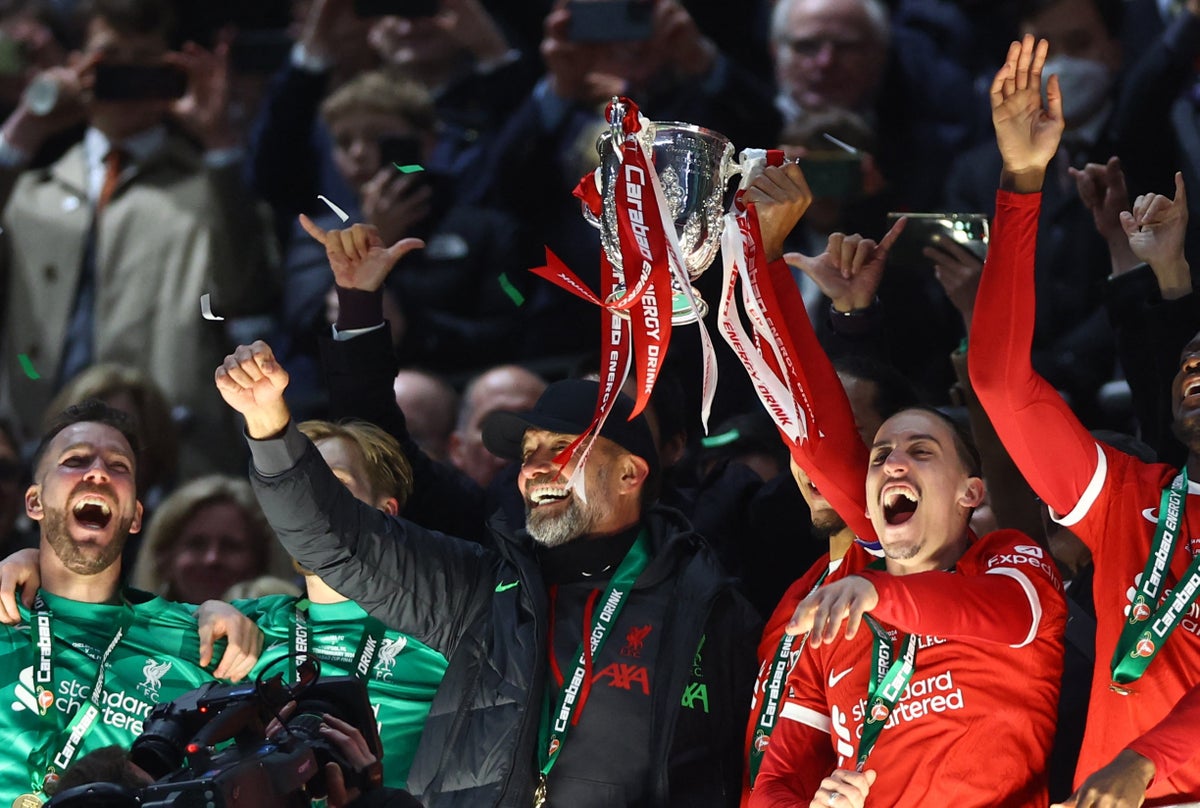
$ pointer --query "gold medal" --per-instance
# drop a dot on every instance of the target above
(27, 801)
(539, 793)
(1120, 689)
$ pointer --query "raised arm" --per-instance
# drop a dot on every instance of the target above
(1050, 446)
(414, 580)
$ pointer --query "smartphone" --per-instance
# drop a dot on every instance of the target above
(401, 150)
(833, 174)
(610, 20)
(969, 230)
(259, 51)
(395, 8)
(120, 82)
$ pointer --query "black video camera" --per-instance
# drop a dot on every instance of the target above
(183, 745)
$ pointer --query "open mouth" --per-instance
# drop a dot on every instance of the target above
(1192, 388)
(899, 505)
(547, 494)
(92, 513)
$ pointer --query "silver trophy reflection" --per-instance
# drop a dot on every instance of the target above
(694, 165)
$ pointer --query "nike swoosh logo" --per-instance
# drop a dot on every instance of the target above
(507, 586)
(1151, 515)
(834, 679)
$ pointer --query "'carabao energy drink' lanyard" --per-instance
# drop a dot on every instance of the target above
(772, 700)
(45, 763)
(888, 681)
(364, 655)
(555, 725)
(1138, 645)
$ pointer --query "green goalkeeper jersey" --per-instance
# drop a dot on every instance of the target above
(154, 661)
(401, 673)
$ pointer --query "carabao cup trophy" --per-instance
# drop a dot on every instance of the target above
(694, 166)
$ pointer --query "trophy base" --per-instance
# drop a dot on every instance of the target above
(682, 312)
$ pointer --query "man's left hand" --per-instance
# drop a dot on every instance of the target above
(1120, 784)
(781, 195)
(243, 639)
(821, 614)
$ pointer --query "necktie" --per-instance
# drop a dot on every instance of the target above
(114, 161)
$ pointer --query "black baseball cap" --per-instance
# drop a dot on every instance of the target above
(567, 407)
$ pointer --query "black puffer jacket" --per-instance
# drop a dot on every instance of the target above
(457, 597)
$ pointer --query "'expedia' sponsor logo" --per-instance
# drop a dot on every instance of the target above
(1022, 559)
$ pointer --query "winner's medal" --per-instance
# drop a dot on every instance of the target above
(27, 801)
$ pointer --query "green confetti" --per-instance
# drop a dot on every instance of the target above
(513, 292)
(724, 439)
(27, 366)
(410, 169)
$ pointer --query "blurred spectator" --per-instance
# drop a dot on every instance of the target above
(109, 250)
(457, 300)
(1073, 342)
(844, 54)
(129, 390)
(430, 405)
(508, 387)
(750, 439)
(207, 536)
(15, 533)
(261, 587)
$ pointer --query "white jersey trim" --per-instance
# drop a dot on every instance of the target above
(1089, 496)
(1035, 602)
(810, 718)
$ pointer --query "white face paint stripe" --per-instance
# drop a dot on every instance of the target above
(1035, 602)
(810, 718)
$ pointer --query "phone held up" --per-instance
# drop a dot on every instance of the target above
(968, 230)
(610, 20)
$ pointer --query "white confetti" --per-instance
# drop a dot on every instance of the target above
(841, 144)
(341, 214)
(206, 309)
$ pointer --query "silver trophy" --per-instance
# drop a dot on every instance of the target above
(694, 166)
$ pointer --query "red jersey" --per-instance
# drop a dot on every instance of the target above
(1172, 742)
(976, 721)
(766, 687)
(1116, 518)
(1110, 500)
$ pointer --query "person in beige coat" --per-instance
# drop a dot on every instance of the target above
(164, 227)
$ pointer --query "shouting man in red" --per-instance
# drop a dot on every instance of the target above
(949, 648)
(1141, 521)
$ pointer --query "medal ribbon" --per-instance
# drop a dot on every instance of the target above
(888, 681)
(43, 765)
(1138, 645)
(364, 655)
(556, 724)
(772, 700)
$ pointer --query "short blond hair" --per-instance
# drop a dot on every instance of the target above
(388, 470)
(384, 93)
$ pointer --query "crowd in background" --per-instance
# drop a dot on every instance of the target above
(469, 129)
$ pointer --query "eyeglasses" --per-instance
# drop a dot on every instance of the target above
(811, 47)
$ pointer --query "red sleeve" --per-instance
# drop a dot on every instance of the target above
(1000, 591)
(833, 456)
(1052, 449)
(945, 604)
(1173, 741)
(800, 755)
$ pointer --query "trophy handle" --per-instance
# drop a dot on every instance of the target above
(588, 216)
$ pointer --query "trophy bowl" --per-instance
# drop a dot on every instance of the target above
(694, 166)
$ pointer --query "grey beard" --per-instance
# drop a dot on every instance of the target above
(553, 531)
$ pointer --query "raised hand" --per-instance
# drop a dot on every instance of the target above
(252, 382)
(850, 269)
(780, 195)
(357, 254)
(204, 109)
(957, 270)
(395, 203)
(1027, 131)
(1156, 228)
(821, 614)
(1102, 189)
